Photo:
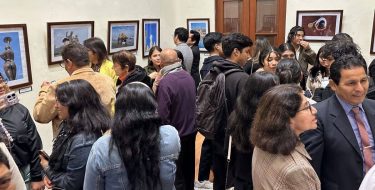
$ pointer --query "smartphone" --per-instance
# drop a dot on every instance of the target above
(10, 99)
(44, 154)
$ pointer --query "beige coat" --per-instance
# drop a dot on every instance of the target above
(280, 172)
(44, 109)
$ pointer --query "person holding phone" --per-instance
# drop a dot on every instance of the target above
(85, 119)
(20, 130)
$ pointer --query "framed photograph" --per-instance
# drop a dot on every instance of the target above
(151, 34)
(60, 34)
(320, 25)
(122, 35)
(372, 48)
(14, 53)
(201, 25)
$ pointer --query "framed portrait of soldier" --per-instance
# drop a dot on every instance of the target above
(15, 66)
(320, 25)
(122, 35)
(59, 34)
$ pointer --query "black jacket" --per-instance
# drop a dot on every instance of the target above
(138, 74)
(207, 64)
(234, 83)
(321, 94)
(195, 66)
(27, 142)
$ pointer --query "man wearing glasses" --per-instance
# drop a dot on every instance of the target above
(76, 63)
(342, 147)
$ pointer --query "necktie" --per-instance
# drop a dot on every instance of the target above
(366, 147)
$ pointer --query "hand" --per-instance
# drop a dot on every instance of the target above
(43, 162)
(153, 75)
(47, 182)
(305, 44)
(37, 185)
(45, 83)
(156, 82)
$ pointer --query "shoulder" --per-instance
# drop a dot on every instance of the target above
(82, 139)
(369, 102)
(21, 108)
(16, 111)
(107, 64)
(102, 144)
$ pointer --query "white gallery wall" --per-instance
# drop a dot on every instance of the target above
(357, 21)
(35, 14)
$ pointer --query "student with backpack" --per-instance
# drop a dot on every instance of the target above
(236, 49)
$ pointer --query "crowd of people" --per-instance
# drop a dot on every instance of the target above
(291, 118)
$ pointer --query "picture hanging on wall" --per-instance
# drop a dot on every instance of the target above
(60, 34)
(372, 48)
(320, 25)
(151, 35)
(201, 25)
(122, 35)
(15, 66)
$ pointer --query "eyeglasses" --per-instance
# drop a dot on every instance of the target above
(62, 64)
(307, 107)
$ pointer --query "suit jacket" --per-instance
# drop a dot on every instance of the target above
(336, 156)
(283, 172)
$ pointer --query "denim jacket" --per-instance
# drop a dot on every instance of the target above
(107, 171)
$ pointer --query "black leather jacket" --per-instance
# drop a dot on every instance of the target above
(26, 140)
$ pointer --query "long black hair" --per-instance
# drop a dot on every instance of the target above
(242, 116)
(86, 111)
(135, 132)
(314, 71)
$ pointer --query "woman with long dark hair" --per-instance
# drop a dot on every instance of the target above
(140, 153)
(253, 65)
(98, 56)
(153, 62)
(280, 160)
(240, 122)
(268, 59)
(85, 119)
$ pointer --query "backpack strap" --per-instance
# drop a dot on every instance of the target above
(230, 71)
(227, 72)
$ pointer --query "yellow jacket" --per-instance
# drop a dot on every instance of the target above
(44, 108)
(107, 69)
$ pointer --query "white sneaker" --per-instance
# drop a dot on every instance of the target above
(203, 185)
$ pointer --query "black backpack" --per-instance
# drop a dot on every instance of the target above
(211, 103)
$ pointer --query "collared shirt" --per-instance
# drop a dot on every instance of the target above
(347, 108)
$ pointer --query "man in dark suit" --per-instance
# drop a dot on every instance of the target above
(342, 147)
